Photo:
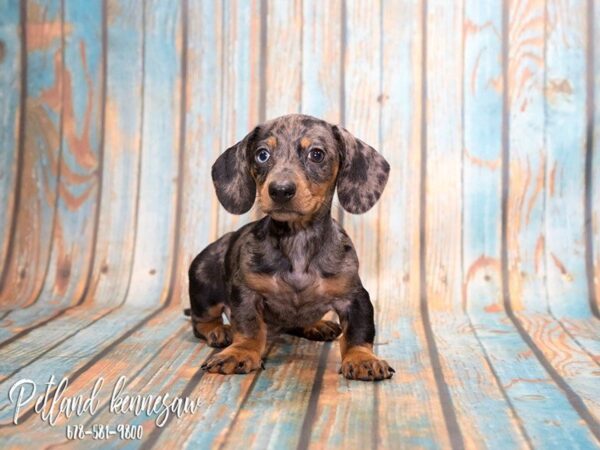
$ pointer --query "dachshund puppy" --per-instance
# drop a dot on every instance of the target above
(284, 272)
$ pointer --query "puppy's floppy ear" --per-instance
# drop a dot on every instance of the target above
(363, 173)
(235, 186)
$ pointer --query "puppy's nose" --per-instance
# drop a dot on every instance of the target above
(282, 192)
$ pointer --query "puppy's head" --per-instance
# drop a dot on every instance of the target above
(293, 165)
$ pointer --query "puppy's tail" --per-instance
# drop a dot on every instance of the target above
(187, 312)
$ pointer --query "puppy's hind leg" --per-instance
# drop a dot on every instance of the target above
(206, 296)
(211, 328)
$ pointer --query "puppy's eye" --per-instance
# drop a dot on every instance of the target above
(262, 156)
(316, 155)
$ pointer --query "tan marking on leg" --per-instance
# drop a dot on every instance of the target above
(210, 327)
(243, 356)
(360, 363)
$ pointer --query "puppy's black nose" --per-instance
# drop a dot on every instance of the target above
(282, 192)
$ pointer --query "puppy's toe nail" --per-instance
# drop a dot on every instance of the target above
(262, 365)
(340, 370)
(391, 369)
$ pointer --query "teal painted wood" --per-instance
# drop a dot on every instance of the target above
(68, 356)
(23, 351)
(32, 318)
(321, 59)
(362, 90)
(155, 378)
(156, 211)
(10, 117)
(80, 178)
(567, 295)
(26, 270)
(565, 106)
(463, 43)
(488, 313)
(209, 430)
(526, 236)
(443, 165)
(543, 409)
(286, 386)
(398, 322)
(113, 256)
(203, 135)
(483, 89)
(283, 81)
(240, 72)
(111, 368)
(104, 335)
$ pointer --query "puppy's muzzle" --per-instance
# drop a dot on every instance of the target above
(282, 192)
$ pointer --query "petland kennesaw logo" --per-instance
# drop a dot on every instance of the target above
(54, 403)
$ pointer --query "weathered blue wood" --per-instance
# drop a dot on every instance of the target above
(240, 84)
(398, 322)
(223, 400)
(567, 297)
(283, 81)
(284, 387)
(113, 255)
(73, 354)
(26, 270)
(362, 90)
(483, 90)
(464, 47)
(79, 172)
(156, 211)
(10, 117)
(152, 377)
(23, 351)
(526, 235)
(203, 134)
(544, 411)
(321, 59)
(30, 319)
(110, 368)
(443, 164)
(565, 106)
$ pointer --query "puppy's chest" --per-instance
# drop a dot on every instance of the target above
(296, 297)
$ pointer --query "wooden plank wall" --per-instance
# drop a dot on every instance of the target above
(482, 257)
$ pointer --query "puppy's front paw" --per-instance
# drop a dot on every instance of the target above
(323, 330)
(233, 360)
(362, 364)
